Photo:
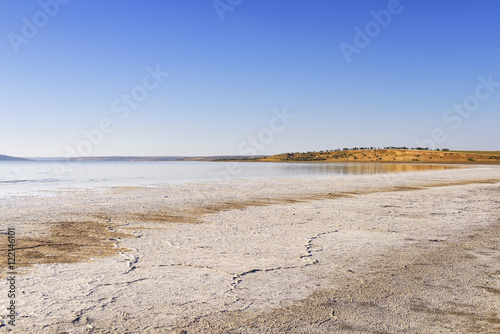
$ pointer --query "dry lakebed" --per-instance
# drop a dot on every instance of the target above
(413, 252)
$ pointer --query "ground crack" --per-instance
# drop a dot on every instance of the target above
(309, 245)
(120, 283)
(196, 267)
(132, 260)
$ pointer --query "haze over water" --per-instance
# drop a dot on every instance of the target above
(18, 178)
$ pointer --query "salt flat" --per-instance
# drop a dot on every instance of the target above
(407, 252)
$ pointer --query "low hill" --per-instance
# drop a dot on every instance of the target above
(165, 158)
(124, 158)
(9, 158)
(390, 155)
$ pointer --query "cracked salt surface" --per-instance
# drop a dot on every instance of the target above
(252, 259)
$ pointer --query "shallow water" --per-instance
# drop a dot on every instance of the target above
(18, 178)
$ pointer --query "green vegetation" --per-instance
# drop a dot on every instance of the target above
(307, 157)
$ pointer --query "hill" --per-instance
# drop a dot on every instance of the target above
(390, 155)
(164, 158)
(9, 158)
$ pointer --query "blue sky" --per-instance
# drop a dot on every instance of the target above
(227, 78)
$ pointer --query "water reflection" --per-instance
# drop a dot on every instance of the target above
(356, 168)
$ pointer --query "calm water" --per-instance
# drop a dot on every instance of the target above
(17, 178)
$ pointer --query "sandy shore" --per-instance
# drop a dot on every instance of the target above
(410, 252)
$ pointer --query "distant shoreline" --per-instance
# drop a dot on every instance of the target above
(406, 156)
(371, 162)
(389, 156)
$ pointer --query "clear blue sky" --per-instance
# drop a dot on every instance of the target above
(227, 76)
